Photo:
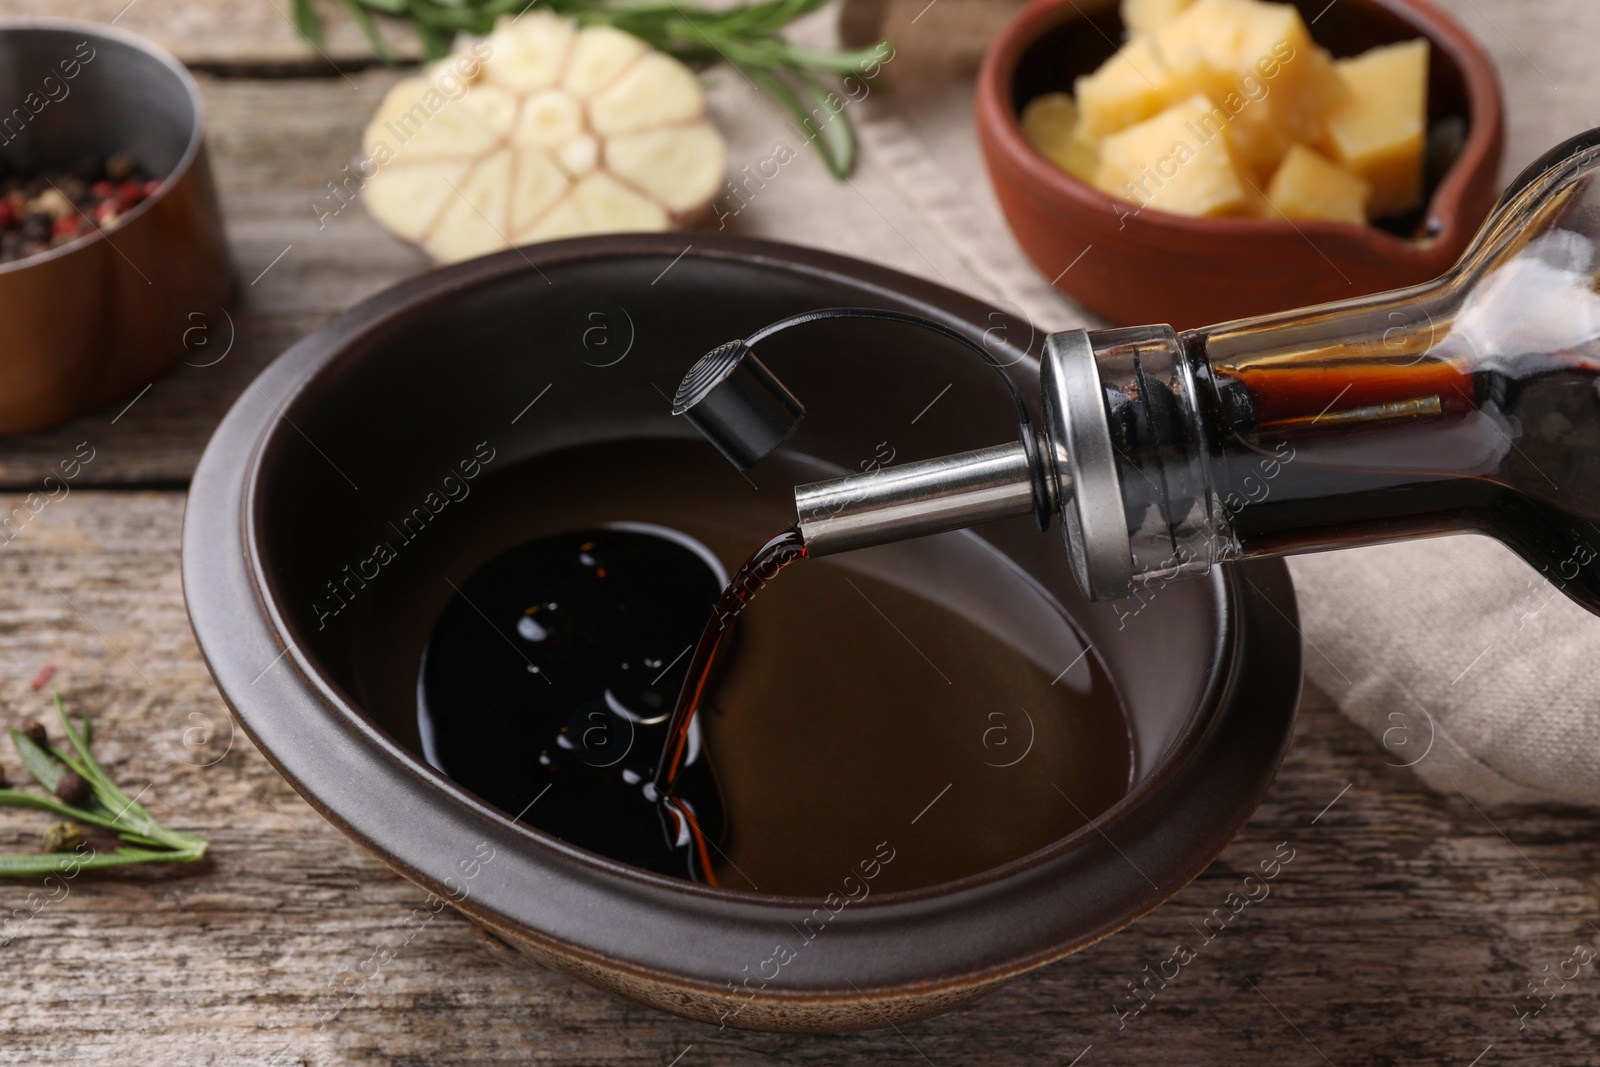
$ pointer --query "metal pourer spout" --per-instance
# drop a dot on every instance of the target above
(916, 499)
(1069, 470)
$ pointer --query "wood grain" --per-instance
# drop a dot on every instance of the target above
(240, 36)
(1404, 929)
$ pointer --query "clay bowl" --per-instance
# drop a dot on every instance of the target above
(1152, 266)
(100, 317)
(355, 424)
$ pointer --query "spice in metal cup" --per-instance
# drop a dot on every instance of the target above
(53, 207)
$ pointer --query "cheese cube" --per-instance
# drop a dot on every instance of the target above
(1128, 88)
(1200, 45)
(1147, 16)
(1307, 186)
(1050, 123)
(1258, 63)
(1379, 130)
(1172, 162)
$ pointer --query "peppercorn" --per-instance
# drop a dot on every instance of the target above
(120, 166)
(36, 226)
(35, 732)
(72, 789)
(72, 187)
(62, 837)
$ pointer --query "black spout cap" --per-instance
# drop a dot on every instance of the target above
(737, 404)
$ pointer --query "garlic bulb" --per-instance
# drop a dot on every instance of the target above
(541, 130)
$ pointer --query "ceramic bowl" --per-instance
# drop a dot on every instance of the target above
(1151, 266)
(354, 425)
(100, 317)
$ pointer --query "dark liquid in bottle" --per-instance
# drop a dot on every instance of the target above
(926, 696)
(1362, 451)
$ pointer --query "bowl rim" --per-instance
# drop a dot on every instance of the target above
(314, 736)
(997, 116)
(191, 150)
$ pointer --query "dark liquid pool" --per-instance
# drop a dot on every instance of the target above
(927, 697)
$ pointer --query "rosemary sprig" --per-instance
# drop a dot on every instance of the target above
(108, 808)
(748, 36)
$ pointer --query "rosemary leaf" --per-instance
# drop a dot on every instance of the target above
(132, 820)
(364, 22)
(46, 771)
(88, 768)
(307, 24)
(24, 866)
(16, 798)
(434, 43)
(112, 809)
(835, 137)
(835, 140)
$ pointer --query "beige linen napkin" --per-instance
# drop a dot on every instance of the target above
(1463, 662)
(1457, 657)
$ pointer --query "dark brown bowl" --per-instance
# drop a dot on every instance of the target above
(352, 427)
(1152, 266)
(104, 315)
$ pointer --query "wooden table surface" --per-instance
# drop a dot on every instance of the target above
(1407, 928)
